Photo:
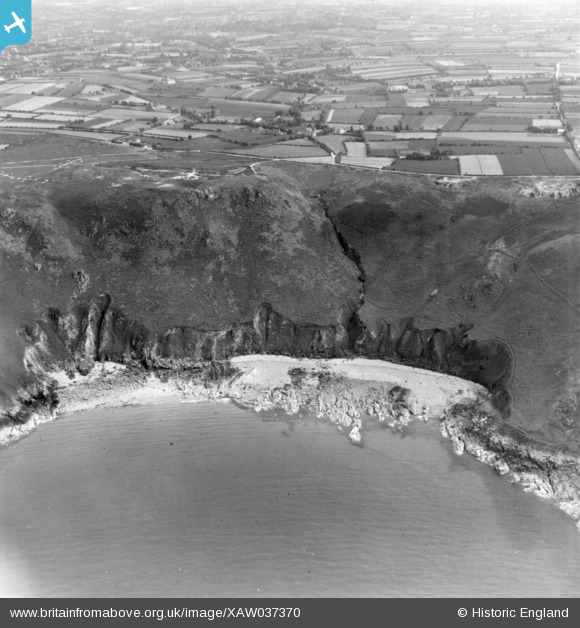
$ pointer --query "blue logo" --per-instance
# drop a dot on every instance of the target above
(15, 22)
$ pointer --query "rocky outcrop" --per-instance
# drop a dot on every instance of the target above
(552, 188)
(550, 473)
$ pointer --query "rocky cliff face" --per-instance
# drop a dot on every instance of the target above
(73, 341)
(476, 281)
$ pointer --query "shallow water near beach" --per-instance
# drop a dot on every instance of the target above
(211, 500)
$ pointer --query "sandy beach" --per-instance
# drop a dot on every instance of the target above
(340, 390)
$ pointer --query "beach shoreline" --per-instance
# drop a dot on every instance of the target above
(347, 392)
(263, 382)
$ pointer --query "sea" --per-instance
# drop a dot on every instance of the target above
(209, 500)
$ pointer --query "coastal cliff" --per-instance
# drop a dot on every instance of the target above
(100, 332)
(475, 282)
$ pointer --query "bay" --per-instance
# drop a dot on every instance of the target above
(204, 499)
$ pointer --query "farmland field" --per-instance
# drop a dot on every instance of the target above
(176, 134)
(386, 121)
(117, 113)
(369, 114)
(29, 124)
(330, 98)
(503, 138)
(356, 149)
(506, 125)
(435, 122)
(248, 138)
(34, 103)
(480, 164)
(284, 97)
(529, 161)
(6, 100)
(455, 123)
(88, 135)
(311, 160)
(345, 116)
(27, 88)
(539, 88)
(334, 142)
(367, 162)
(437, 166)
(218, 92)
(226, 108)
(559, 161)
(376, 149)
(468, 149)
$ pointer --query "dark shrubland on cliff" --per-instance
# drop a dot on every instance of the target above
(476, 281)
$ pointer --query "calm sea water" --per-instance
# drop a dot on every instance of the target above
(210, 500)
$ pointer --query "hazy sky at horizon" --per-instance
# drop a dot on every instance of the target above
(209, 3)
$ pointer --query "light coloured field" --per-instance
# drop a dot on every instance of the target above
(449, 63)
(415, 135)
(34, 103)
(28, 88)
(356, 149)
(435, 122)
(540, 123)
(311, 160)
(367, 162)
(55, 117)
(480, 164)
(416, 101)
(108, 123)
(345, 127)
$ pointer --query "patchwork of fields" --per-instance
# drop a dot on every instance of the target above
(396, 93)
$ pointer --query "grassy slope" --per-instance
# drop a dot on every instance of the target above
(414, 237)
